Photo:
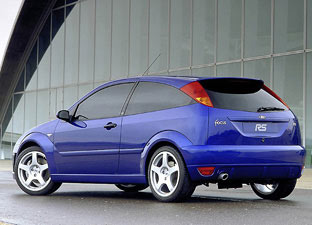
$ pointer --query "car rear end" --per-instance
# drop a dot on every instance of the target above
(253, 136)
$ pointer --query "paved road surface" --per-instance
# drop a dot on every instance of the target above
(105, 204)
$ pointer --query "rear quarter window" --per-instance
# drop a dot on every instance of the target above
(149, 97)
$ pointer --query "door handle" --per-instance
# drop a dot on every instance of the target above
(110, 125)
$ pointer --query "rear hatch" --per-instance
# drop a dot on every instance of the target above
(246, 112)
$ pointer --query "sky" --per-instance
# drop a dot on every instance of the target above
(8, 13)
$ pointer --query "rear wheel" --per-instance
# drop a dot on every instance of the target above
(131, 187)
(274, 191)
(168, 177)
(32, 172)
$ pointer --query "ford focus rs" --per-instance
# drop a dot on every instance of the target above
(168, 133)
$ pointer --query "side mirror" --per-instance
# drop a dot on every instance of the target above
(63, 115)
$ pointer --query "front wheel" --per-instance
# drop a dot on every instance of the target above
(32, 172)
(274, 191)
(168, 177)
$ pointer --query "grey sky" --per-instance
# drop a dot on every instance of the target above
(8, 13)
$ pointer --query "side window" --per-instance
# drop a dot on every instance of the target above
(149, 97)
(107, 102)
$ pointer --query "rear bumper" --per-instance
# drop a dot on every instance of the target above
(245, 162)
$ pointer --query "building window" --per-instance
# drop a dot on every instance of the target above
(259, 69)
(257, 28)
(229, 30)
(288, 25)
(203, 32)
(288, 75)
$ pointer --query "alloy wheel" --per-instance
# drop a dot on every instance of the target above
(165, 173)
(33, 171)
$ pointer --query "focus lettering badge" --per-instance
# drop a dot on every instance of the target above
(217, 122)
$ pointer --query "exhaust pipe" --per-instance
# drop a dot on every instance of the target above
(223, 176)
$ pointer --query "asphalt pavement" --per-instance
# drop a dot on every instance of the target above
(105, 204)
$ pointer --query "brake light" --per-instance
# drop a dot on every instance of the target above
(196, 91)
(274, 95)
(206, 171)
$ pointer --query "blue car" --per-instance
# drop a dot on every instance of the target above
(169, 133)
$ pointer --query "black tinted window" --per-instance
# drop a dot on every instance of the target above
(149, 97)
(240, 94)
(107, 102)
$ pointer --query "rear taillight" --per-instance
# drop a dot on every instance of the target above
(196, 91)
(274, 95)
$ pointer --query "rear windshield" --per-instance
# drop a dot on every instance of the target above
(241, 94)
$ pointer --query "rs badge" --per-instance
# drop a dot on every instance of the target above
(261, 127)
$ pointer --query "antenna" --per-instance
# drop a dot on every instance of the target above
(151, 65)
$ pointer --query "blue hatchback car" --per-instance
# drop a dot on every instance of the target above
(168, 133)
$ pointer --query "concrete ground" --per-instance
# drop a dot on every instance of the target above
(5, 165)
(105, 204)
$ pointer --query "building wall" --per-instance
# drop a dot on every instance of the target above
(86, 43)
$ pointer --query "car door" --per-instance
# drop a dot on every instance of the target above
(90, 143)
(153, 107)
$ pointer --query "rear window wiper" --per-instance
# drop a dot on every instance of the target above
(263, 109)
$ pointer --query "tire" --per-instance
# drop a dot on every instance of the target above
(274, 191)
(32, 172)
(131, 187)
(168, 177)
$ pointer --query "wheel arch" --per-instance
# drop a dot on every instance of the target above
(44, 143)
(27, 144)
(173, 139)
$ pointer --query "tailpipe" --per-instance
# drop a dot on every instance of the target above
(223, 176)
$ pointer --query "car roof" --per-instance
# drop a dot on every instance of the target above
(175, 81)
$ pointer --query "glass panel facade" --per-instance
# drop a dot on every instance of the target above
(180, 73)
(257, 27)
(288, 25)
(42, 106)
(20, 86)
(138, 36)
(86, 45)
(288, 74)
(60, 99)
(204, 72)
(159, 35)
(71, 45)
(82, 44)
(57, 56)
(260, 69)
(70, 96)
(203, 32)
(83, 90)
(229, 30)
(308, 111)
(44, 55)
(309, 24)
(31, 69)
(229, 70)
(103, 30)
(120, 39)
(52, 104)
(18, 116)
(6, 134)
(180, 44)
(30, 110)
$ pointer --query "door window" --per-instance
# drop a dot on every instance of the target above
(107, 102)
